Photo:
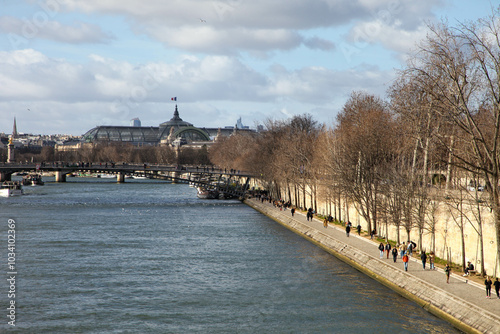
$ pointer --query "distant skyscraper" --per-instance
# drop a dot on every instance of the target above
(135, 122)
(239, 124)
(14, 129)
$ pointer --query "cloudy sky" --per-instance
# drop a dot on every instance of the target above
(67, 66)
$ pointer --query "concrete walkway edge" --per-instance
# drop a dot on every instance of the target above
(453, 308)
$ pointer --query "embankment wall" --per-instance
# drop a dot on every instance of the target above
(459, 312)
(446, 217)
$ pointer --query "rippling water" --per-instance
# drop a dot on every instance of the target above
(94, 256)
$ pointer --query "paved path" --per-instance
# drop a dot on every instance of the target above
(459, 286)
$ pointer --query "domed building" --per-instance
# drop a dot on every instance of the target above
(175, 131)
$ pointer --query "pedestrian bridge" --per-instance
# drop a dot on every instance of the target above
(227, 182)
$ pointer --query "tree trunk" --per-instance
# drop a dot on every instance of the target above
(481, 240)
(426, 161)
(433, 241)
(420, 236)
(289, 192)
(296, 194)
(339, 207)
(346, 211)
(450, 160)
(496, 212)
(314, 197)
(462, 231)
(398, 235)
(304, 196)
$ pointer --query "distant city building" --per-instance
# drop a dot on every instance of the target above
(32, 142)
(135, 122)
(175, 132)
(239, 124)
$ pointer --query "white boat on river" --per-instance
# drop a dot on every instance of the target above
(9, 188)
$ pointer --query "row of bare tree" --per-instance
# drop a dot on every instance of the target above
(395, 160)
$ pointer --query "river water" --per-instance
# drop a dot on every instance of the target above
(94, 256)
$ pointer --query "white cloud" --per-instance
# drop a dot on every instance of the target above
(208, 39)
(27, 29)
(108, 91)
(319, 43)
(392, 37)
(233, 26)
(22, 57)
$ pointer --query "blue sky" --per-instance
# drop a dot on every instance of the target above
(68, 65)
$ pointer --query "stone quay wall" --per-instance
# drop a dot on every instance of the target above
(448, 244)
(460, 313)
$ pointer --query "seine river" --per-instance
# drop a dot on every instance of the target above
(94, 256)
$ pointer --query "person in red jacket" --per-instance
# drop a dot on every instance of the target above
(405, 260)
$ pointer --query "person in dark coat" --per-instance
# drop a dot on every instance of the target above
(497, 287)
(488, 283)
(347, 229)
(309, 214)
(381, 249)
(447, 271)
(470, 266)
(359, 229)
(387, 249)
(423, 257)
(395, 254)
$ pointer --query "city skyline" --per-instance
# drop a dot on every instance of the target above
(68, 66)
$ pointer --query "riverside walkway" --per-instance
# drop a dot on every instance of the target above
(462, 302)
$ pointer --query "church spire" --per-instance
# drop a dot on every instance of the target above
(14, 129)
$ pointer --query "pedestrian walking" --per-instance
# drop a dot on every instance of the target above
(488, 283)
(423, 257)
(447, 271)
(359, 229)
(372, 234)
(309, 214)
(410, 248)
(402, 249)
(347, 230)
(394, 254)
(387, 249)
(431, 261)
(325, 223)
(405, 260)
(497, 287)
(381, 249)
(292, 211)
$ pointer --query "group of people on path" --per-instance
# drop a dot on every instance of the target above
(488, 283)
(404, 250)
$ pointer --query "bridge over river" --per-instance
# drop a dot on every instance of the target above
(230, 183)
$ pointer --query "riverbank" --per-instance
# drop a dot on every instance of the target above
(461, 302)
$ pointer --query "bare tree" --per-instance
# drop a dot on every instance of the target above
(464, 64)
(363, 136)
